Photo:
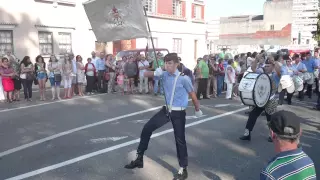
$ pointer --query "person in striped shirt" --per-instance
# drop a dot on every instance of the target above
(291, 163)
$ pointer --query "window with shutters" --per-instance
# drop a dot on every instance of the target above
(45, 43)
(155, 42)
(177, 45)
(150, 5)
(197, 12)
(6, 42)
(177, 8)
(65, 43)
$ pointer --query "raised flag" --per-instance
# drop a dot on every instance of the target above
(113, 20)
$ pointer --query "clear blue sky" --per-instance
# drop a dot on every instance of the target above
(221, 8)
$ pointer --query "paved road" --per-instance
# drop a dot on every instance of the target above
(93, 137)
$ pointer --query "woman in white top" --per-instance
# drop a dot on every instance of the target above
(2, 97)
(55, 78)
(27, 77)
(229, 78)
(67, 76)
(81, 79)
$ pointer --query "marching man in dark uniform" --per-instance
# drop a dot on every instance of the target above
(273, 69)
(177, 88)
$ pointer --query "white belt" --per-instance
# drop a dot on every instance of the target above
(177, 108)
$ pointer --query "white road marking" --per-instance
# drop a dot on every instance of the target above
(222, 105)
(142, 121)
(19, 148)
(194, 117)
(52, 102)
(102, 140)
(112, 148)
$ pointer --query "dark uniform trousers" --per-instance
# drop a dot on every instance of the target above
(178, 119)
(282, 94)
(253, 116)
(318, 102)
(202, 88)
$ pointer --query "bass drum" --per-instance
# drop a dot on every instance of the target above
(255, 89)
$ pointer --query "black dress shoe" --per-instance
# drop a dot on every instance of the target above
(245, 138)
(138, 163)
(181, 175)
(270, 139)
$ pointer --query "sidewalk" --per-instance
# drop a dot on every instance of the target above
(36, 87)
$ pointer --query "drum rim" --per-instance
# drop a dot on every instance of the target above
(254, 90)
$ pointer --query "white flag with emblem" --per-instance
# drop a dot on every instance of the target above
(113, 20)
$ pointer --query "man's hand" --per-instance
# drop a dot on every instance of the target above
(198, 113)
(158, 72)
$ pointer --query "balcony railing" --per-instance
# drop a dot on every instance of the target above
(304, 28)
(304, 14)
(305, 21)
(305, 7)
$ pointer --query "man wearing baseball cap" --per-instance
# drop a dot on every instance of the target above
(291, 162)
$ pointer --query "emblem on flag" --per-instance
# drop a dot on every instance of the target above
(116, 16)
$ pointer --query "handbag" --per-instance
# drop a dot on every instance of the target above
(30, 76)
(57, 77)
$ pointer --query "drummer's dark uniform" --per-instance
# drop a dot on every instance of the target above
(178, 115)
(269, 109)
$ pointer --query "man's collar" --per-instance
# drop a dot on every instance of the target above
(289, 153)
(176, 73)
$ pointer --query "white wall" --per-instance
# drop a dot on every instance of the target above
(277, 13)
(28, 13)
(165, 30)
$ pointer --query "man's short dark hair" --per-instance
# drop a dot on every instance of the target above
(172, 57)
(295, 56)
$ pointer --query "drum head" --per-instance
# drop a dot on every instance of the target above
(262, 90)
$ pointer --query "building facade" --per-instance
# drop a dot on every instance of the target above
(213, 32)
(33, 27)
(304, 14)
(179, 26)
(284, 23)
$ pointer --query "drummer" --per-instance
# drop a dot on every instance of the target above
(298, 68)
(273, 70)
(287, 73)
(259, 69)
(311, 65)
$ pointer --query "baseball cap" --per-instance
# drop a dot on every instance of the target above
(285, 124)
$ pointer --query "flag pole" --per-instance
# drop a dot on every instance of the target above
(154, 51)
